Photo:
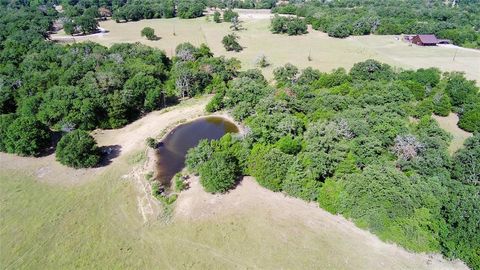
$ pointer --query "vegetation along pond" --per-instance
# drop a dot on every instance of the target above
(173, 149)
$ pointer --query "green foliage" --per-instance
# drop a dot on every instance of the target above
(230, 42)
(441, 104)
(77, 149)
(470, 120)
(269, 166)
(5, 121)
(229, 14)
(26, 136)
(371, 70)
(219, 173)
(466, 162)
(329, 195)
(350, 17)
(288, 25)
(289, 145)
(180, 184)
(151, 142)
(149, 33)
(189, 9)
(286, 74)
(216, 17)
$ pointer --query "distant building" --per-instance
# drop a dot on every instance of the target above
(426, 40)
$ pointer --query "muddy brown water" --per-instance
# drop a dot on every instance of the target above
(172, 150)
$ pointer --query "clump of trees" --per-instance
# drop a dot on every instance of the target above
(230, 42)
(344, 140)
(149, 33)
(77, 149)
(458, 23)
(288, 25)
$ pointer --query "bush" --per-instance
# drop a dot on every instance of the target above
(26, 136)
(269, 166)
(230, 42)
(216, 17)
(470, 120)
(329, 195)
(229, 14)
(5, 121)
(219, 173)
(149, 33)
(151, 142)
(466, 167)
(77, 149)
(180, 184)
(262, 61)
(371, 70)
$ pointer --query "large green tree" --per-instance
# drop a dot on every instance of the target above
(77, 149)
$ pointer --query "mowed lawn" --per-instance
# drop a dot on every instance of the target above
(326, 53)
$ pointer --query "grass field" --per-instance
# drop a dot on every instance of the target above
(326, 53)
(53, 217)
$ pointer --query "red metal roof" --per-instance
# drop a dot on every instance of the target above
(428, 39)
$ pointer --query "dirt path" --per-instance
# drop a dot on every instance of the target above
(293, 218)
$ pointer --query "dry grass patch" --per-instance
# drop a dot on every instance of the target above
(449, 124)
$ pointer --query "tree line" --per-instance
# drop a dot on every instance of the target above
(347, 141)
(459, 23)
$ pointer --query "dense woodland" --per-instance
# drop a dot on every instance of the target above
(342, 18)
(46, 87)
(360, 143)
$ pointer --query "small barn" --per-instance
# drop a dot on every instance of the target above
(425, 40)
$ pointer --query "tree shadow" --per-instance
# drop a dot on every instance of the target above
(50, 150)
(109, 153)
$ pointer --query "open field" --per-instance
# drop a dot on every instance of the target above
(55, 217)
(326, 53)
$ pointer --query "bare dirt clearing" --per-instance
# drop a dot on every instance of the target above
(326, 53)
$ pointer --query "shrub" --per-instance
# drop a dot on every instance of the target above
(149, 33)
(26, 136)
(269, 166)
(5, 121)
(216, 17)
(218, 174)
(180, 184)
(230, 42)
(371, 70)
(329, 195)
(466, 162)
(151, 142)
(262, 61)
(470, 120)
(229, 14)
(77, 149)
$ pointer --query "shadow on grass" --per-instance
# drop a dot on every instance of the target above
(109, 153)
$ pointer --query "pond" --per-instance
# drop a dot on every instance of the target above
(172, 150)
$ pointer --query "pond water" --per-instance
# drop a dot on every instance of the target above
(172, 150)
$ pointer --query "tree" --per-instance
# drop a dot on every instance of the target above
(149, 33)
(269, 166)
(467, 162)
(219, 173)
(230, 42)
(77, 149)
(216, 17)
(286, 74)
(371, 70)
(87, 23)
(5, 121)
(26, 136)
